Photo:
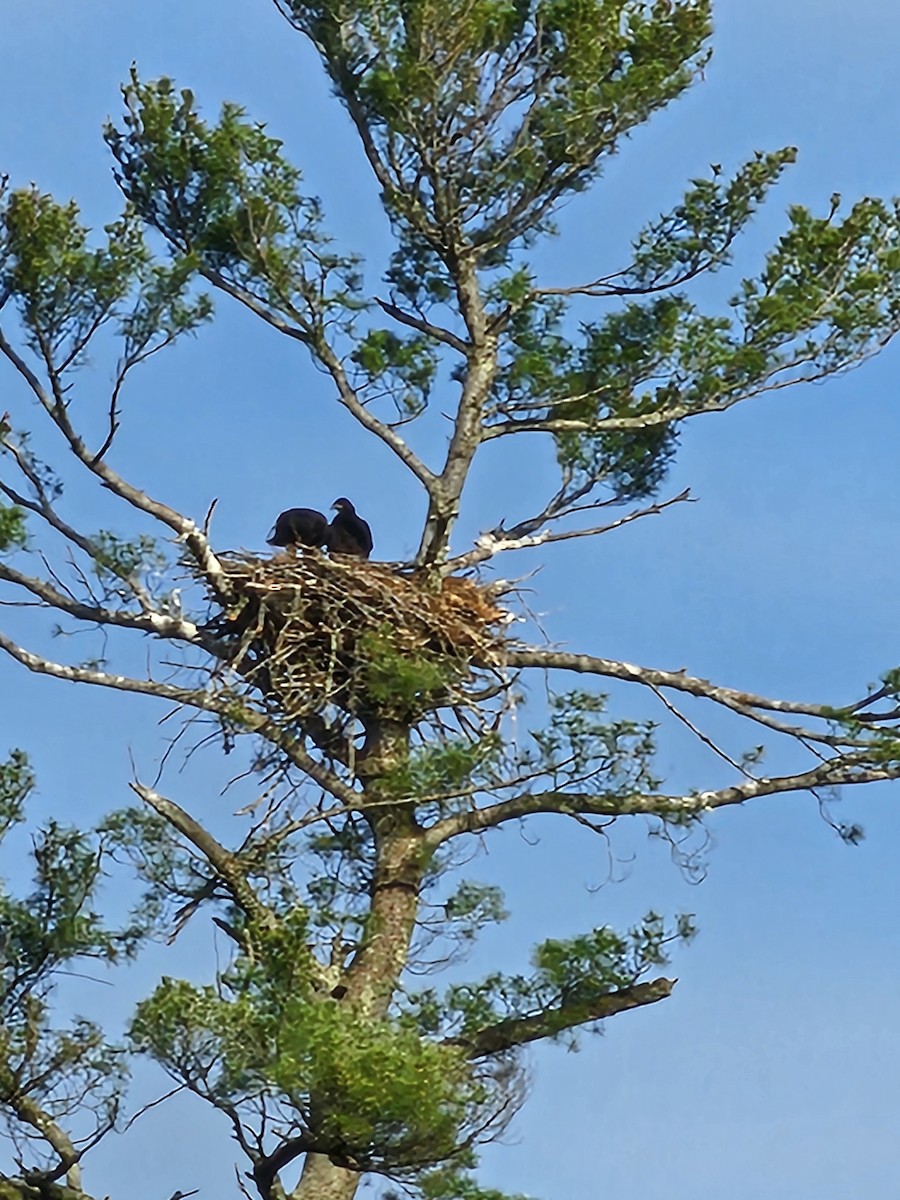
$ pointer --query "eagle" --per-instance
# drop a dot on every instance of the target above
(348, 533)
(299, 527)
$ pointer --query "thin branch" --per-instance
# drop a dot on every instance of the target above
(739, 701)
(421, 325)
(225, 704)
(604, 287)
(226, 865)
(322, 351)
(161, 624)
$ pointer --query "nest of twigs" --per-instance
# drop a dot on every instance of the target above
(311, 631)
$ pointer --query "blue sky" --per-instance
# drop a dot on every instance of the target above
(774, 1071)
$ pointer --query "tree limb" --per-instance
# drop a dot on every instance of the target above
(425, 327)
(498, 540)
(224, 704)
(325, 354)
(224, 863)
(186, 529)
(32, 1114)
(161, 624)
(517, 1031)
(846, 769)
(739, 701)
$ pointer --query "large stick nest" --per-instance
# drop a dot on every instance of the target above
(311, 631)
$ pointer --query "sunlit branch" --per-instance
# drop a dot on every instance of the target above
(161, 624)
(32, 1114)
(226, 865)
(42, 507)
(680, 412)
(739, 701)
(497, 541)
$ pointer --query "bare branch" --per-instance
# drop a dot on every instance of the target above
(847, 769)
(497, 541)
(743, 702)
(161, 624)
(226, 865)
(224, 703)
(326, 355)
(186, 529)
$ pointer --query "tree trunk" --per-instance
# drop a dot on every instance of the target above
(322, 1180)
(372, 977)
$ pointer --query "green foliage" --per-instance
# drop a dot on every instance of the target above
(65, 289)
(371, 1090)
(56, 922)
(590, 70)
(163, 309)
(472, 906)
(404, 366)
(68, 290)
(443, 768)
(545, 376)
(591, 963)
(568, 974)
(229, 203)
(825, 300)
(830, 291)
(13, 532)
(389, 1097)
(126, 559)
(16, 782)
(697, 234)
(401, 682)
(451, 1183)
(610, 758)
(49, 930)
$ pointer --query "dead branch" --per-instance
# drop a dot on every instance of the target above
(497, 541)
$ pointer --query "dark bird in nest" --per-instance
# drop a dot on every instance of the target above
(299, 527)
(348, 533)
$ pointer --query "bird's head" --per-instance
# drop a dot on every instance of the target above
(342, 504)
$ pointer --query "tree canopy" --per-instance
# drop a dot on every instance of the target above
(387, 718)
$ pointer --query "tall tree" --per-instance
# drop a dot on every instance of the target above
(377, 700)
